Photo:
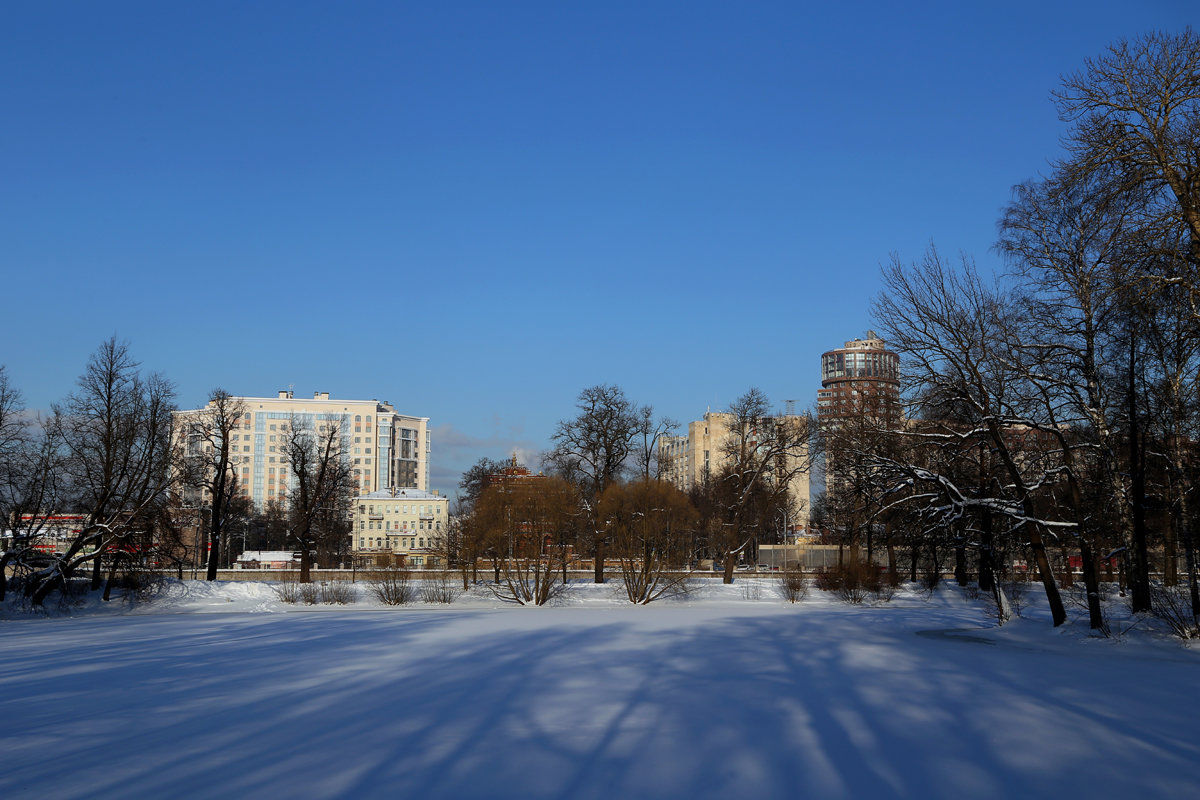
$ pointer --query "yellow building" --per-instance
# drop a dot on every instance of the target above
(688, 461)
(404, 522)
(387, 449)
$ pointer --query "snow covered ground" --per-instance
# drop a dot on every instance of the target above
(223, 691)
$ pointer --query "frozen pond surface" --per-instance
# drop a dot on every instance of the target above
(223, 691)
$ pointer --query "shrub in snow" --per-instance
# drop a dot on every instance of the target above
(1173, 605)
(336, 593)
(288, 589)
(930, 580)
(854, 581)
(439, 588)
(308, 593)
(1016, 591)
(793, 584)
(885, 590)
(652, 577)
(140, 586)
(528, 581)
(393, 587)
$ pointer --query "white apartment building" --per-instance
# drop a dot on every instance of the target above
(687, 461)
(388, 449)
(407, 522)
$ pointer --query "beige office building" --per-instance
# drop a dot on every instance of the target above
(388, 449)
(687, 461)
(403, 522)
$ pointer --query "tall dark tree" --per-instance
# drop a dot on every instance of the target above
(320, 478)
(950, 327)
(1135, 115)
(596, 444)
(1069, 246)
(115, 430)
(207, 440)
(593, 450)
(30, 483)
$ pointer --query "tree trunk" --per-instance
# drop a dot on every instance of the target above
(730, 561)
(214, 547)
(987, 557)
(1137, 553)
(1091, 584)
(1058, 612)
(305, 565)
(112, 574)
(1170, 567)
(598, 570)
(960, 562)
(97, 572)
(1189, 554)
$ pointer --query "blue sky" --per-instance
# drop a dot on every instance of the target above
(474, 210)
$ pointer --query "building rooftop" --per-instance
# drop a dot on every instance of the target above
(401, 494)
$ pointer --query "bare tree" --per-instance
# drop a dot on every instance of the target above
(13, 422)
(479, 475)
(1173, 345)
(209, 453)
(1069, 244)
(850, 442)
(599, 441)
(115, 431)
(1136, 117)
(650, 431)
(523, 522)
(1135, 112)
(593, 450)
(30, 486)
(320, 478)
(950, 327)
(762, 455)
(652, 524)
